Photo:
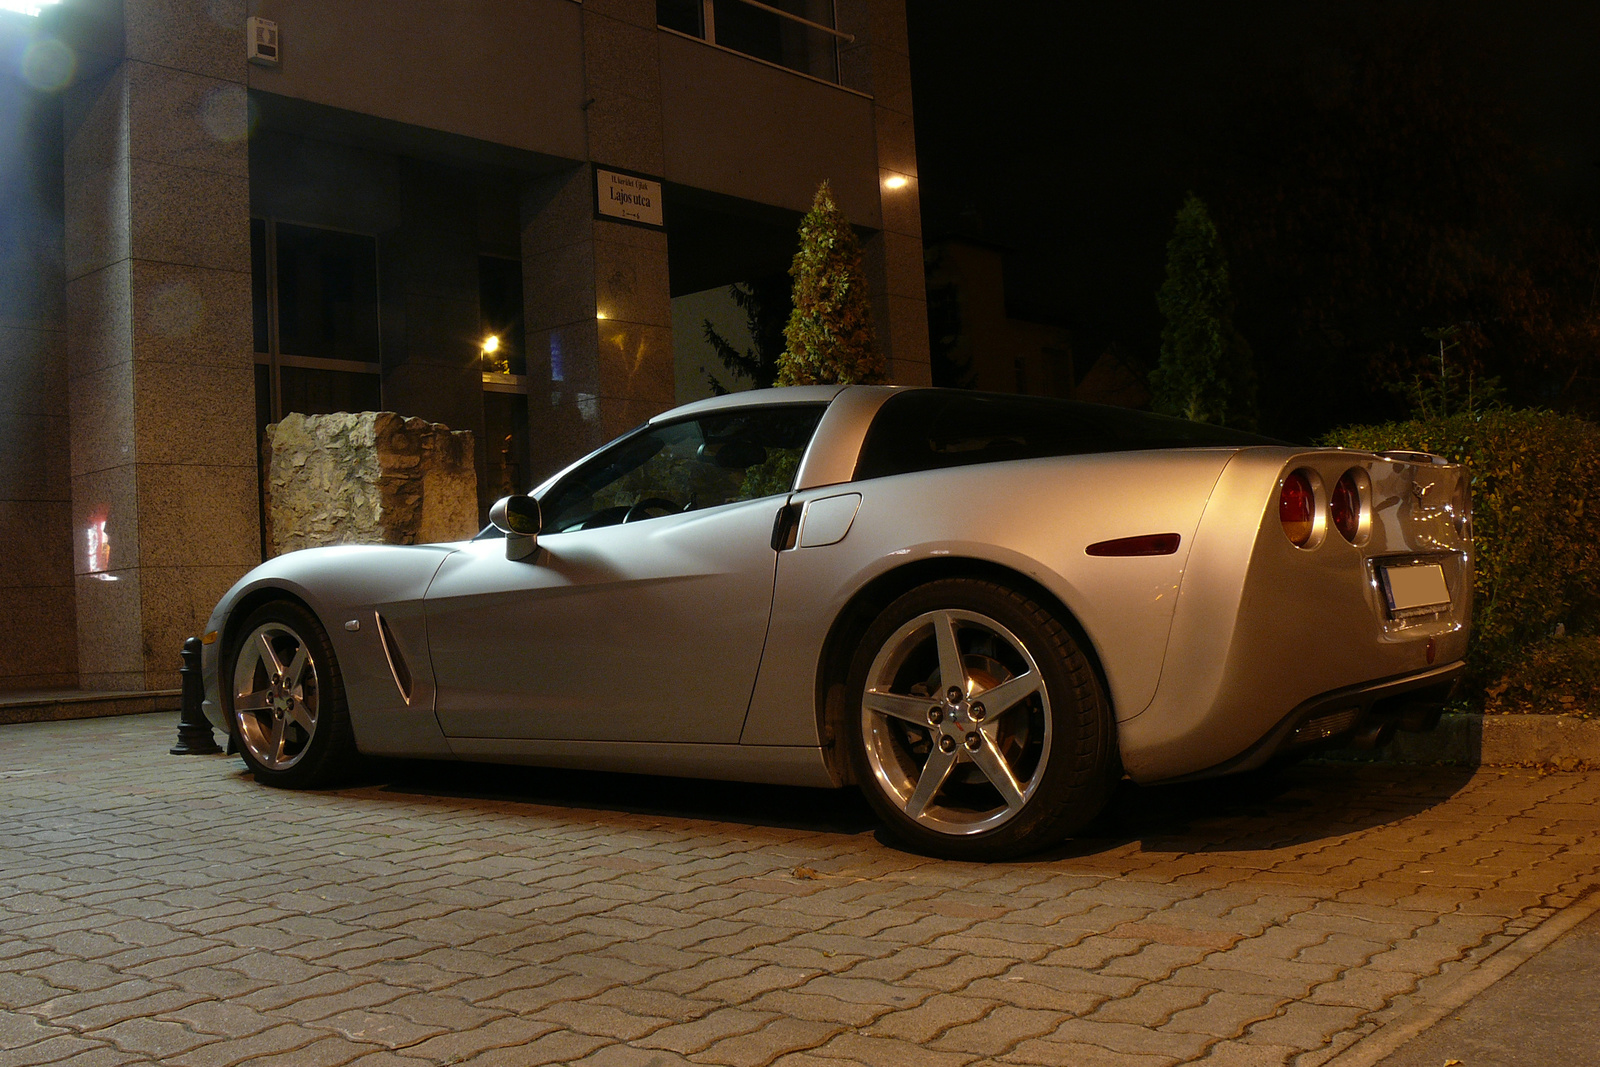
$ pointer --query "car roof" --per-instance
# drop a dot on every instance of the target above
(789, 394)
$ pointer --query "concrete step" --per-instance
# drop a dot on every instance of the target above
(50, 705)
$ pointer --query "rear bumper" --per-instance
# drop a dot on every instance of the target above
(1366, 715)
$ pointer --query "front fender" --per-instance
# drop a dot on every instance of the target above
(344, 585)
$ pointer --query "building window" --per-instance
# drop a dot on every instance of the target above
(797, 34)
(505, 380)
(316, 320)
(685, 16)
(500, 309)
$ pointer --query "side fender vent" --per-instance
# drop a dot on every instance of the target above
(397, 662)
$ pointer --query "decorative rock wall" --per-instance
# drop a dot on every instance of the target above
(368, 478)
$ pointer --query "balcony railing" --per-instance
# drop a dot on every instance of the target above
(797, 34)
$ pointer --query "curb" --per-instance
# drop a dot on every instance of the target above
(1393, 1035)
(1563, 742)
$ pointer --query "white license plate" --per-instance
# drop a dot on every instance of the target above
(1415, 589)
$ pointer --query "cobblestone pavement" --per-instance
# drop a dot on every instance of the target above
(164, 909)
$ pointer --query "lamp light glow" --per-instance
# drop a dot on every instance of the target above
(896, 181)
(27, 7)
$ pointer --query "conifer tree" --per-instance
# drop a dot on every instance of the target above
(829, 336)
(1206, 371)
(765, 303)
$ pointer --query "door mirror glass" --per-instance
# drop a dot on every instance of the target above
(519, 518)
(516, 515)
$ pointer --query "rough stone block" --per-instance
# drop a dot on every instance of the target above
(367, 478)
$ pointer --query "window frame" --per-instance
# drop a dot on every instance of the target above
(603, 456)
(274, 359)
(707, 34)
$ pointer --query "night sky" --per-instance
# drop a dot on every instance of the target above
(1067, 131)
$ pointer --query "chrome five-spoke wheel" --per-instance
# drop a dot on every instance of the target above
(275, 696)
(286, 698)
(981, 731)
(956, 721)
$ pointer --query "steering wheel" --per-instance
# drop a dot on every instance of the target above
(642, 508)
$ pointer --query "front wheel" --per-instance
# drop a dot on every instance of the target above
(286, 705)
(978, 727)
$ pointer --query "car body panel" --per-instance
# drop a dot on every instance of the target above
(1240, 656)
(831, 459)
(585, 640)
(1025, 516)
(769, 764)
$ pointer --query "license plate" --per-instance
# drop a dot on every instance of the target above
(1415, 589)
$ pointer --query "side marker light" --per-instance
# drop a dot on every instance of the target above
(1142, 545)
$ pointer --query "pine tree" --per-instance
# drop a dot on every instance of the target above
(1206, 371)
(765, 303)
(829, 335)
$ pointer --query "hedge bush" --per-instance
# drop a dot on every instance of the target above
(1560, 674)
(1535, 479)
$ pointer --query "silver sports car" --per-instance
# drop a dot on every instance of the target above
(982, 610)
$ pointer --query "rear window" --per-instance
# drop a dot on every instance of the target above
(929, 429)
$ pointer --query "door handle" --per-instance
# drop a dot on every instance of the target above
(785, 527)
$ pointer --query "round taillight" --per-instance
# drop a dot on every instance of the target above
(1297, 508)
(1344, 506)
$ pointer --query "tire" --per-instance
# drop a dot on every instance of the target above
(957, 775)
(296, 734)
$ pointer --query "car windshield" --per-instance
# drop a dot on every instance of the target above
(685, 466)
(929, 429)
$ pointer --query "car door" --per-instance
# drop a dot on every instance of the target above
(643, 613)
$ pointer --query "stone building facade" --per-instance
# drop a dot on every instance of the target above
(194, 245)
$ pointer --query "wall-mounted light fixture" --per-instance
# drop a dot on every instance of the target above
(491, 362)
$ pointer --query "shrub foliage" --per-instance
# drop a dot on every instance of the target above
(1535, 479)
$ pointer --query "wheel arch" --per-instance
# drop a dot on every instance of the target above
(248, 603)
(870, 601)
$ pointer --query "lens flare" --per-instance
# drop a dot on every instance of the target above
(48, 65)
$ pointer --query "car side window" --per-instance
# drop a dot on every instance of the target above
(685, 465)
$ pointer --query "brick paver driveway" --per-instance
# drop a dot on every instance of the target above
(154, 908)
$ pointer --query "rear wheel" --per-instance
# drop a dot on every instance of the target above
(978, 729)
(286, 700)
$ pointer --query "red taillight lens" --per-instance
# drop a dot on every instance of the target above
(1344, 507)
(1297, 508)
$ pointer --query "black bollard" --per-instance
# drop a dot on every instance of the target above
(194, 732)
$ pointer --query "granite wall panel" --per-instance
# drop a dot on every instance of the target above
(38, 638)
(35, 534)
(33, 366)
(100, 305)
(190, 413)
(33, 470)
(195, 316)
(107, 499)
(184, 518)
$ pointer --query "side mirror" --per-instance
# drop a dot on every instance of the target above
(519, 518)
